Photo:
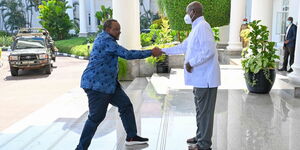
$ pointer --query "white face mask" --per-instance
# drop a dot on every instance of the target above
(288, 22)
(187, 19)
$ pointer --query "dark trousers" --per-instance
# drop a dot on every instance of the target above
(205, 100)
(288, 52)
(98, 103)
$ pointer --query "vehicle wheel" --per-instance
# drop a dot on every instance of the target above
(48, 69)
(14, 71)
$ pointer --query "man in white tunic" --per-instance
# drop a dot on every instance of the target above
(202, 71)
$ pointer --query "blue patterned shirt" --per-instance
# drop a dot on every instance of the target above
(102, 70)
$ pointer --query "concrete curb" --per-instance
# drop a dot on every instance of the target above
(71, 55)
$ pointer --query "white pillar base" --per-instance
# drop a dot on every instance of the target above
(295, 75)
(83, 34)
(235, 46)
(72, 31)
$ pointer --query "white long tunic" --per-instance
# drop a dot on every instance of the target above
(200, 51)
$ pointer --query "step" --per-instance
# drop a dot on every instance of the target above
(160, 83)
(110, 133)
(176, 80)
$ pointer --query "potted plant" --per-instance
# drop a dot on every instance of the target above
(162, 37)
(160, 62)
(258, 59)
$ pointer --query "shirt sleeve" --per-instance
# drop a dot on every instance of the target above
(114, 48)
(178, 49)
(205, 49)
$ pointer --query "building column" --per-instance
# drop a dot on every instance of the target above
(237, 13)
(128, 15)
(93, 17)
(263, 10)
(295, 75)
(70, 13)
(82, 19)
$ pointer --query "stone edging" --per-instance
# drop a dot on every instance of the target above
(73, 56)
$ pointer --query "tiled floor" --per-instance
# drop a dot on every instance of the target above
(243, 121)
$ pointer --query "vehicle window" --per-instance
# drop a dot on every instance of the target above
(23, 43)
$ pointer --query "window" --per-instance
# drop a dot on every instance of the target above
(281, 19)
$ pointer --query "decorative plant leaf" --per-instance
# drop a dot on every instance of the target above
(261, 54)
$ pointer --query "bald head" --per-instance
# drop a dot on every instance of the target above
(195, 9)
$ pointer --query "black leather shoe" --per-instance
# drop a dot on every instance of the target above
(136, 140)
(192, 140)
(196, 147)
(290, 70)
(282, 69)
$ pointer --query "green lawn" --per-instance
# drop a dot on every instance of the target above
(65, 46)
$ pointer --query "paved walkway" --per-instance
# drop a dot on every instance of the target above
(165, 113)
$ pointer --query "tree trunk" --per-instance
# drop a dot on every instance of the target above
(178, 34)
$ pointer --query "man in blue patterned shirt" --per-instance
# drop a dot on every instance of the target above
(99, 81)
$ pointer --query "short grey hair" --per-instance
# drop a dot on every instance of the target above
(196, 6)
(108, 23)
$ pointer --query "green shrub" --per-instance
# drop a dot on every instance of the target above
(4, 33)
(154, 60)
(6, 41)
(65, 46)
(81, 50)
(159, 34)
(103, 15)
(216, 12)
(55, 19)
(122, 64)
(216, 32)
(90, 39)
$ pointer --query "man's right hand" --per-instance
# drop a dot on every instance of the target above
(286, 41)
(156, 52)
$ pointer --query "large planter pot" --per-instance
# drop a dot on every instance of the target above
(263, 85)
(162, 67)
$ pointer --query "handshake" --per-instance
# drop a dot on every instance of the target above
(156, 52)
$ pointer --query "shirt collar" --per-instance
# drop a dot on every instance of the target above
(197, 21)
(106, 35)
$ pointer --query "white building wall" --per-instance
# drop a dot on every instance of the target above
(35, 20)
(276, 8)
(106, 3)
(263, 10)
(149, 4)
(294, 9)
(224, 34)
(248, 9)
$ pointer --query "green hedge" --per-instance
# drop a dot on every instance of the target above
(4, 33)
(65, 46)
(6, 40)
(81, 50)
(216, 12)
